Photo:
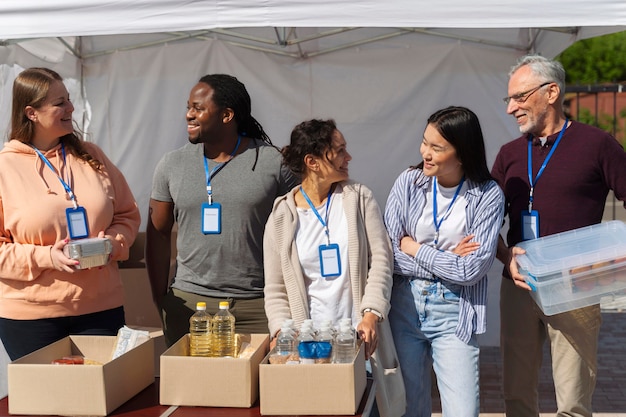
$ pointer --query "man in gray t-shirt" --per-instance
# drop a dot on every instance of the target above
(219, 189)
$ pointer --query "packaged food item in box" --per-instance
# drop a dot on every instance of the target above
(128, 339)
(576, 268)
(90, 253)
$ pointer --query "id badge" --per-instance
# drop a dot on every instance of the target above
(211, 218)
(330, 261)
(530, 224)
(77, 222)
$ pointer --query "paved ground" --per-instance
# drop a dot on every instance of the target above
(609, 397)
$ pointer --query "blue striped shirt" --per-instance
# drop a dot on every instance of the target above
(484, 211)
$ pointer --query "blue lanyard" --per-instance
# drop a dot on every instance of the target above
(324, 223)
(436, 222)
(216, 169)
(68, 189)
(543, 166)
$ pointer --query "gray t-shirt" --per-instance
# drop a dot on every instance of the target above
(229, 264)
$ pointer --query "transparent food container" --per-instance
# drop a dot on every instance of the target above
(576, 268)
(90, 252)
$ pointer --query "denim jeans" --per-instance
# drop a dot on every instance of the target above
(423, 320)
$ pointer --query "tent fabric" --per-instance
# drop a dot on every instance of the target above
(42, 18)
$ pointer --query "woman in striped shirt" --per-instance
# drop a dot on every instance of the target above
(443, 217)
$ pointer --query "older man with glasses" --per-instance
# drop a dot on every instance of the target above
(555, 178)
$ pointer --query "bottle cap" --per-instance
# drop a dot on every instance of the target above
(224, 305)
(200, 305)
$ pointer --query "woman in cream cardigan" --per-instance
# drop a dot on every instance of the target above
(332, 218)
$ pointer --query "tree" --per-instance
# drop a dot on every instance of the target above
(596, 60)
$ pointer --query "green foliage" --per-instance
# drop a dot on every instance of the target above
(604, 121)
(596, 60)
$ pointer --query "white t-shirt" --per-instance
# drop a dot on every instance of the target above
(329, 298)
(453, 226)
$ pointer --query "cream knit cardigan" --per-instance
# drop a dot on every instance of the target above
(370, 258)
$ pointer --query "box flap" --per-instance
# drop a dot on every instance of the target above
(129, 374)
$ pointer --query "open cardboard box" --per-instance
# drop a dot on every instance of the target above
(312, 389)
(40, 388)
(212, 382)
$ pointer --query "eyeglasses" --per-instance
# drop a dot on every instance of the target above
(523, 96)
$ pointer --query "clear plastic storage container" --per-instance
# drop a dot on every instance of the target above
(576, 268)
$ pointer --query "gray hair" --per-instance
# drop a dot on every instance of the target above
(544, 68)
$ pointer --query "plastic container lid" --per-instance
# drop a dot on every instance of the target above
(603, 242)
(200, 305)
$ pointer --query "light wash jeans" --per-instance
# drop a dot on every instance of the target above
(423, 319)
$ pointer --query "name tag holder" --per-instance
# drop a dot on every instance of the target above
(77, 222)
(330, 261)
(530, 224)
(211, 218)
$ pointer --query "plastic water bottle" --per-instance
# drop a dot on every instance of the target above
(306, 344)
(291, 324)
(285, 351)
(348, 322)
(328, 325)
(200, 331)
(324, 341)
(344, 348)
(285, 342)
(223, 333)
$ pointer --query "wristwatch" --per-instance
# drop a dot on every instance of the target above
(376, 313)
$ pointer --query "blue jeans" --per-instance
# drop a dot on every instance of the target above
(423, 320)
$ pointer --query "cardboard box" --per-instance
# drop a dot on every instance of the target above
(38, 387)
(576, 268)
(211, 382)
(156, 334)
(312, 389)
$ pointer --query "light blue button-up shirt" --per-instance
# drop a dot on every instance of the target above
(484, 211)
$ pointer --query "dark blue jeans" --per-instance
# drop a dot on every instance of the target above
(21, 337)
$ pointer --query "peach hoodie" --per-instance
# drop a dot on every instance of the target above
(32, 219)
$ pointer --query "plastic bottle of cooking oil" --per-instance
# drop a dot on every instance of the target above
(223, 342)
(200, 331)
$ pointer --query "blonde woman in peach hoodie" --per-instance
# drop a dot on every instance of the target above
(47, 169)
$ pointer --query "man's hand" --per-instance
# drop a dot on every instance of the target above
(518, 278)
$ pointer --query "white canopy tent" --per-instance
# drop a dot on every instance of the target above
(378, 68)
